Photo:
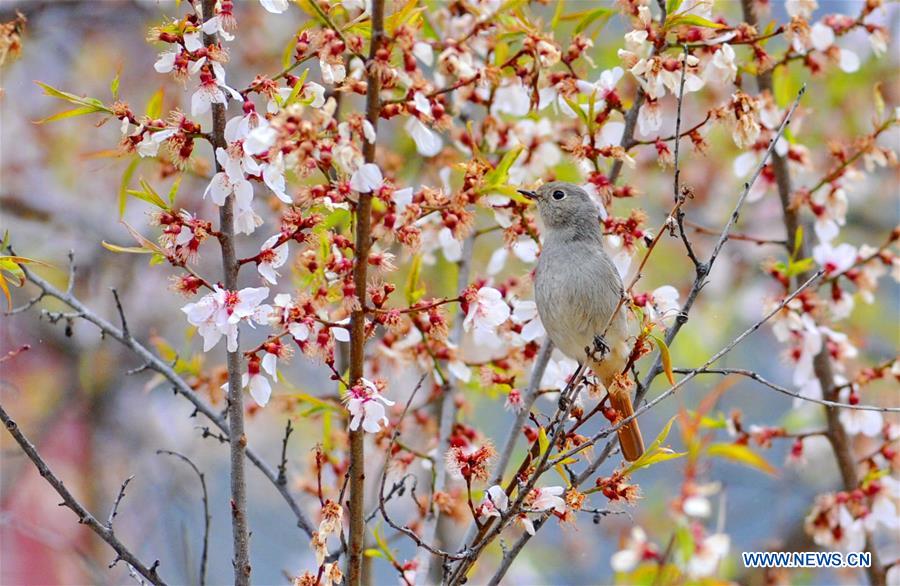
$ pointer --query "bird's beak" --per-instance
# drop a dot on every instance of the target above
(529, 194)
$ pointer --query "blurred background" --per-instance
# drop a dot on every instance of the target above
(97, 426)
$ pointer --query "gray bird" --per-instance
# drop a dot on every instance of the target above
(577, 288)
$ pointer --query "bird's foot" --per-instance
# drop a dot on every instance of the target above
(600, 350)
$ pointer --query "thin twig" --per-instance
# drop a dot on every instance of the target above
(178, 384)
(115, 507)
(84, 517)
(703, 269)
(207, 518)
(282, 467)
(121, 311)
(776, 387)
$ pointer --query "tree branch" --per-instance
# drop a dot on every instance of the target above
(358, 317)
(105, 532)
(237, 439)
(178, 384)
(207, 518)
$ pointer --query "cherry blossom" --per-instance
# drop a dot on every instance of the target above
(259, 386)
(857, 421)
(366, 406)
(428, 142)
(487, 311)
(494, 503)
(525, 313)
(834, 259)
(637, 548)
(270, 258)
(367, 178)
(218, 313)
(722, 68)
(708, 555)
(275, 6)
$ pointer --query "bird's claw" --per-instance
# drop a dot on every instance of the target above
(600, 349)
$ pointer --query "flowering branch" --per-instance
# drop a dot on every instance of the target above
(358, 318)
(237, 440)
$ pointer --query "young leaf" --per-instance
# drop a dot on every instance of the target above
(114, 86)
(672, 6)
(666, 359)
(655, 453)
(123, 184)
(741, 454)
(173, 191)
(543, 440)
(154, 104)
(692, 20)
(412, 290)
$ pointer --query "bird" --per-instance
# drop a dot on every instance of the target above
(577, 290)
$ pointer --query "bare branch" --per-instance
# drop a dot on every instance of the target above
(121, 311)
(785, 391)
(105, 532)
(704, 269)
(207, 518)
(282, 467)
(119, 497)
(178, 384)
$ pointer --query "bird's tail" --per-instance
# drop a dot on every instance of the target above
(620, 399)
(630, 438)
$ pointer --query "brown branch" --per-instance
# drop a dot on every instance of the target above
(358, 317)
(237, 439)
(105, 532)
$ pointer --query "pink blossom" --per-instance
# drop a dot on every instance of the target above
(366, 406)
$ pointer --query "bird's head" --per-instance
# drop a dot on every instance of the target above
(562, 205)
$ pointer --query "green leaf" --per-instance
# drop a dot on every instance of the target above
(560, 4)
(80, 111)
(154, 104)
(125, 249)
(692, 20)
(741, 454)
(655, 453)
(373, 553)
(672, 6)
(74, 99)
(666, 358)
(879, 100)
(798, 267)
(123, 184)
(148, 194)
(295, 91)
(543, 441)
(601, 13)
(413, 291)
(173, 191)
(499, 175)
(798, 242)
(114, 86)
(405, 15)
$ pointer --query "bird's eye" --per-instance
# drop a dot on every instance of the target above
(558, 194)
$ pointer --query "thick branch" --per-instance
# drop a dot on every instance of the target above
(358, 318)
(237, 439)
